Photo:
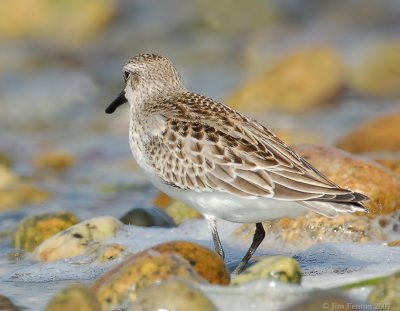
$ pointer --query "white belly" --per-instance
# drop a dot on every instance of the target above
(231, 208)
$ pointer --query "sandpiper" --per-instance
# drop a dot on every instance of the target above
(214, 158)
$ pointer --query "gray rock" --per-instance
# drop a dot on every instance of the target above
(147, 217)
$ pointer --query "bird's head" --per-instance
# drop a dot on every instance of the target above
(147, 77)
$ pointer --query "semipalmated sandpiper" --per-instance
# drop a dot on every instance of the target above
(216, 159)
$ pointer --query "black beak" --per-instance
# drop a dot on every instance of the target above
(120, 100)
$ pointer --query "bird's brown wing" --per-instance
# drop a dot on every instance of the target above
(207, 146)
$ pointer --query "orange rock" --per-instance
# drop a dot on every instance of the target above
(313, 228)
(207, 263)
(126, 281)
(358, 174)
(297, 83)
(57, 161)
(382, 133)
(162, 200)
(390, 161)
(379, 73)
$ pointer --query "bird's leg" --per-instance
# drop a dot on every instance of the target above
(257, 239)
(212, 224)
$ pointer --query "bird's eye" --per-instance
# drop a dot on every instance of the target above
(126, 75)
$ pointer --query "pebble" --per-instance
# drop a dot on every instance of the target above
(298, 83)
(148, 217)
(386, 293)
(56, 161)
(379, 134)
(76, 240)
(15, 192)
(180, 212)
(76, 297)
(33, 230)
(358, 174)
(279, 268)
(174, 294)
(126, 281)
(378, 73)
(208, 264)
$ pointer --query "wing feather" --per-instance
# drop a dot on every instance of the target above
(215, 148)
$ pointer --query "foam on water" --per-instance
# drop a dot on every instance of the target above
(324, 266)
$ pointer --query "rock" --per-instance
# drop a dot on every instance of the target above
(180, 212)
(57, 161)
(76, 297)
(110, 252)
(312, 228)
(279, 268)
(207, 263)
(295, 84)
(66, 23)
(378, 74)
(242, 16)
(14, 192)
(35, 229)
(386, 293)
(294, 136)
(358, 174)
(395, 243)
(326, 300)
(389, 160)
(5, 160)
(147, 217)
(162, 200)
(126, 281)
(379, 134)
(76, 240)
(174, 295)
(7, 305)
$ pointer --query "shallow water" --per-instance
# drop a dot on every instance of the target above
(58, 104)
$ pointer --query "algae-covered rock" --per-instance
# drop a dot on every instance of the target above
(379, 134)
(295, 84)
(35, 229)
(57, 161)
(148, 217)
(15, 192)
(357, 174)
(74, 298)
(76, 240)
(126, 281)
(279, 268)
(174, 295)
(386, 293)
(180, 212)
(208, 264)
(378, 74)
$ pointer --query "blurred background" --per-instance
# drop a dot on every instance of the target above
(310, 70)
